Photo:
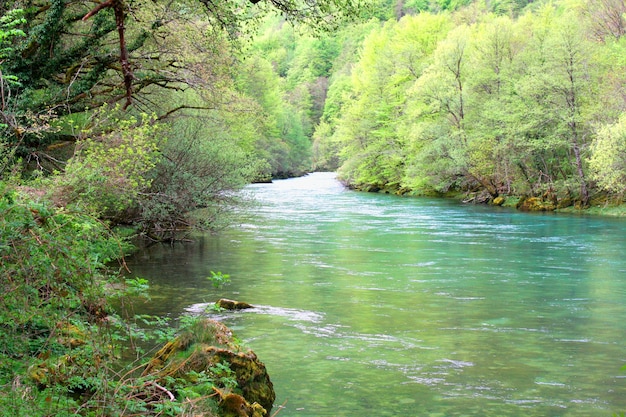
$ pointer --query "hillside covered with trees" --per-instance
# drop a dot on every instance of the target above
(498, 99)
(492, 98)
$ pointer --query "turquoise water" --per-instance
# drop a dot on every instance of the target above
(375, 305)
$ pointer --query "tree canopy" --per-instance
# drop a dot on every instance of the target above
(76, 72)
(492, 99)
(498, 98)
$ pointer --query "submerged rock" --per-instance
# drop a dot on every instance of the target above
(208, 344)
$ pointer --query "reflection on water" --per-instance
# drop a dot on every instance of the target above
(378, 305)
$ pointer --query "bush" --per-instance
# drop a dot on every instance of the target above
(197, 181)
(607, 162)
(109, 171)
(51, 297)
(59, 339)
(167, 179)
(52, 266)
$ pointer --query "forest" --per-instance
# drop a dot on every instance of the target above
(518, 101)
(494, 99)
(146, 119)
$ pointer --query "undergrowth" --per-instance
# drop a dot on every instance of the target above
(61, 343)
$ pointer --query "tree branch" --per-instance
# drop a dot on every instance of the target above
(183, 107)
(96, 10)
(120, 16)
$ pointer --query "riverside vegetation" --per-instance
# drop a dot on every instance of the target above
(79, 174)
(150, 117)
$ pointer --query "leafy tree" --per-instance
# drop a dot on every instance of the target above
(194, 184)
(438, 100)
(77, 55)
(371, 103)
(556, 112)
(492, 144)
(9, 30)
(281, 138)
(367, 131)
(307, 78)
(326, 144)
(606, 18)
(109, 171)
(413, 116)
(575, 65)
(608, 157)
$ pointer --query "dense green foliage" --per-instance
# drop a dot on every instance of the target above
(496, 98)
(62, 342)
(61, 59)
(140, 113)
(51, 299)
(522, 101)
(156, 114)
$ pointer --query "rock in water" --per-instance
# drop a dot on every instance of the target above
(227, 304)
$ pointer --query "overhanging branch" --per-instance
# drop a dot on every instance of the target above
(120, 17)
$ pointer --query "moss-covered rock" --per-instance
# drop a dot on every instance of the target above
(536, 204)
(564, 202)
(227, 304)
(202, 347)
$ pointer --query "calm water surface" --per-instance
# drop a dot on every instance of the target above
(374, 305)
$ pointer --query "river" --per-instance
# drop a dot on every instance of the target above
(376, 305)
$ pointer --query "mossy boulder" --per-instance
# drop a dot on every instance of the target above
(205, 345)
(536, 204)
(227, 304)
(564, 202)
(498, 201)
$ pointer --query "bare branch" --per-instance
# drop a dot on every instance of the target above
(183, 107)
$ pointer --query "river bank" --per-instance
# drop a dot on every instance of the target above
(65, 350)
(600, 205)
(597, 207)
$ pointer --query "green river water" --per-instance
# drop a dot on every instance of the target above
(375, 305)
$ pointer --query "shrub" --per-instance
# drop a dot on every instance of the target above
(607, 162)
(51, 296)
(109, 171)
(197, 181)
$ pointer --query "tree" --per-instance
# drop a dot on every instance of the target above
(75, 55)
(492, 148)
(558, 111)
(373, 129)
(608, 157)
(8, 32)
(437, 101)
(194, 185)
(574, 90)
(326, 145)
(607, 18)
(373, 151)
